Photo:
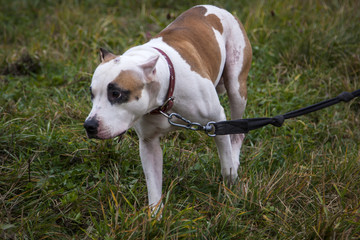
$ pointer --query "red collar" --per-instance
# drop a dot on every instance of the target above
(169, 100)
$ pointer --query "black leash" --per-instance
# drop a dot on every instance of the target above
(245, 125)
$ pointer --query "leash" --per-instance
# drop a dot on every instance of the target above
(245, 125)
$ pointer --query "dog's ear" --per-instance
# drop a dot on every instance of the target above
(105, 55)
(149, 67)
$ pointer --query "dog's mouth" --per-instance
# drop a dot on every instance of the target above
(120, 136)
(117, 137)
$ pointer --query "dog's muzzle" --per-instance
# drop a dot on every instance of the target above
(91, 125)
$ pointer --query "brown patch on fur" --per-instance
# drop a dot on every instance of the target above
(192, 35)
(246, 64)
(215, 22)
(128, 80)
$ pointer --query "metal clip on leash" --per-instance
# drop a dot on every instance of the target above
(209, 128)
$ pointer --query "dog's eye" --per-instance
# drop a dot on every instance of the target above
(115, 94)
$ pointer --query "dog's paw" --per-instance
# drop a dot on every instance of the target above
(229, 175)
(157, 210)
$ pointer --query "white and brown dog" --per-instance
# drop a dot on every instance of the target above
(207, 51)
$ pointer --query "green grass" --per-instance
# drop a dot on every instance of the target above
(300, 181)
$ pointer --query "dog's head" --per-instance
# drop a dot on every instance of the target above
(120, 93)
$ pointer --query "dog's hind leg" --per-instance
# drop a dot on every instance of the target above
(225, 151)
(215, 112)
(237, 65)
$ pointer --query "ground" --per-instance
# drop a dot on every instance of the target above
(300, 181)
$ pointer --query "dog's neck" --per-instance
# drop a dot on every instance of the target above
(169, 99)
(162, 79)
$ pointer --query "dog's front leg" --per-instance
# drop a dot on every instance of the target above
(152, 162)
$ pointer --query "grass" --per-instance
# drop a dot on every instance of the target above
(300, 181)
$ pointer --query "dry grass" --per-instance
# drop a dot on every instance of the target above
(296, 182)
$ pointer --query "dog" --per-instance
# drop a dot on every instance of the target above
(202, 53)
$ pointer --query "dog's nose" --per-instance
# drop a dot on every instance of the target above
(91, 125)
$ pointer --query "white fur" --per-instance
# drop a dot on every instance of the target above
(195, 98)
